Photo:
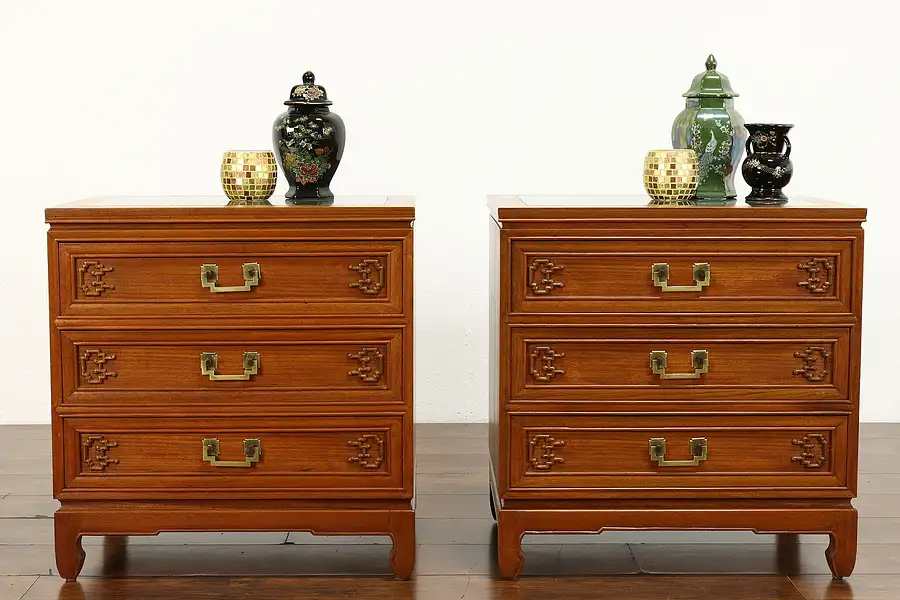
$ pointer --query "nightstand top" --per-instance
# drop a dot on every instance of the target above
(636, 207)
(147, 209)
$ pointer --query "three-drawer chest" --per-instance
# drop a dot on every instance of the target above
(674, 368)
(232, 369)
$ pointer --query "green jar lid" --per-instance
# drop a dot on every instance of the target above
(710, 83)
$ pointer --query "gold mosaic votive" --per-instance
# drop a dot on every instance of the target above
(249, 176)
(671, 176)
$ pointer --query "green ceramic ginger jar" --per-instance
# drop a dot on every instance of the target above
(711, 127)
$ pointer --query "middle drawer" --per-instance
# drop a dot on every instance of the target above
(679, 363)
(328, 366)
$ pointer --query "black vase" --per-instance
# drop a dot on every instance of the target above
(766, 170)
(309, 143)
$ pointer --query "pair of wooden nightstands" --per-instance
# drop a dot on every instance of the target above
(651, 368)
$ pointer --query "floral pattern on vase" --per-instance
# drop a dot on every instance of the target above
(711, 127)
(309, 143)
(766, 170)
(307, 146)
(715, 155)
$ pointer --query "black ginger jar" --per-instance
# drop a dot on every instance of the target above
(309, 142)
(768, 167)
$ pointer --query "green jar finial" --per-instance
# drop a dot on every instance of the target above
(710, 83)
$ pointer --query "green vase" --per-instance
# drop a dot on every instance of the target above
(711, 127)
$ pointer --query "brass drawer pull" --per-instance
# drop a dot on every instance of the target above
(252, 452)
(658, 453)
(660, 274)
(209, 362)
(659, 359)
(209, 275)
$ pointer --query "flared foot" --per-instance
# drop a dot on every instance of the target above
(403, 534)
(509, 546)
(69, 553)
(841, 552)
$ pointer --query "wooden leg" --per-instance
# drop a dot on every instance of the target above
(841, 552)
(403, 534)
(509, 545)
(115, 556)
(69, 553)
(787, 552)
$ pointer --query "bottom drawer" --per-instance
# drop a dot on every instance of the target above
(229, 457)
(679, 456)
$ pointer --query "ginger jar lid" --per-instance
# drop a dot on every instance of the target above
(710, 83)
(308, 93)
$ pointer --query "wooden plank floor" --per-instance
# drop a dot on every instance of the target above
(455, 558)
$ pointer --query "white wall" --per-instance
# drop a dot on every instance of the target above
(447, 101)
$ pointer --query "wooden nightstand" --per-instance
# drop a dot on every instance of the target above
(232, 368)
(674, 368)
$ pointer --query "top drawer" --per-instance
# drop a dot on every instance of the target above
(681, 275)
(233, 278)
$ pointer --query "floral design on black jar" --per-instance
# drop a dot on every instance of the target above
(768, 167)
(309, 143)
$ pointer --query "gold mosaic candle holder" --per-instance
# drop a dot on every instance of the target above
(671, 177)
(249, 176)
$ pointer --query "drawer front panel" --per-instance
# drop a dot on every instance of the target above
(614, 453)
(744, 276)
(743, 363)
(311, 366)
(110, 279)
(308, 453)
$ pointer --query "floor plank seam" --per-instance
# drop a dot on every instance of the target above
(634, 559)
(466, 591)
(796, 587)
(34, 581)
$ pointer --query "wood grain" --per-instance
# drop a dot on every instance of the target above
(746, 453)
(574, 400)
(614, 275)
(331, 401)
(456, 553)
(312, 454)
(295, 366)
(753, 364)
(294, 278)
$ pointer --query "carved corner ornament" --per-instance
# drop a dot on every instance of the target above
(90, 278)
(542, 452)
(542, 363)
(814, 370)
(96, 452)
(365, 444)
(819, 275)
(371, 276)
(540, 276)
(371, 365)
(808, 457)
(93, 365)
